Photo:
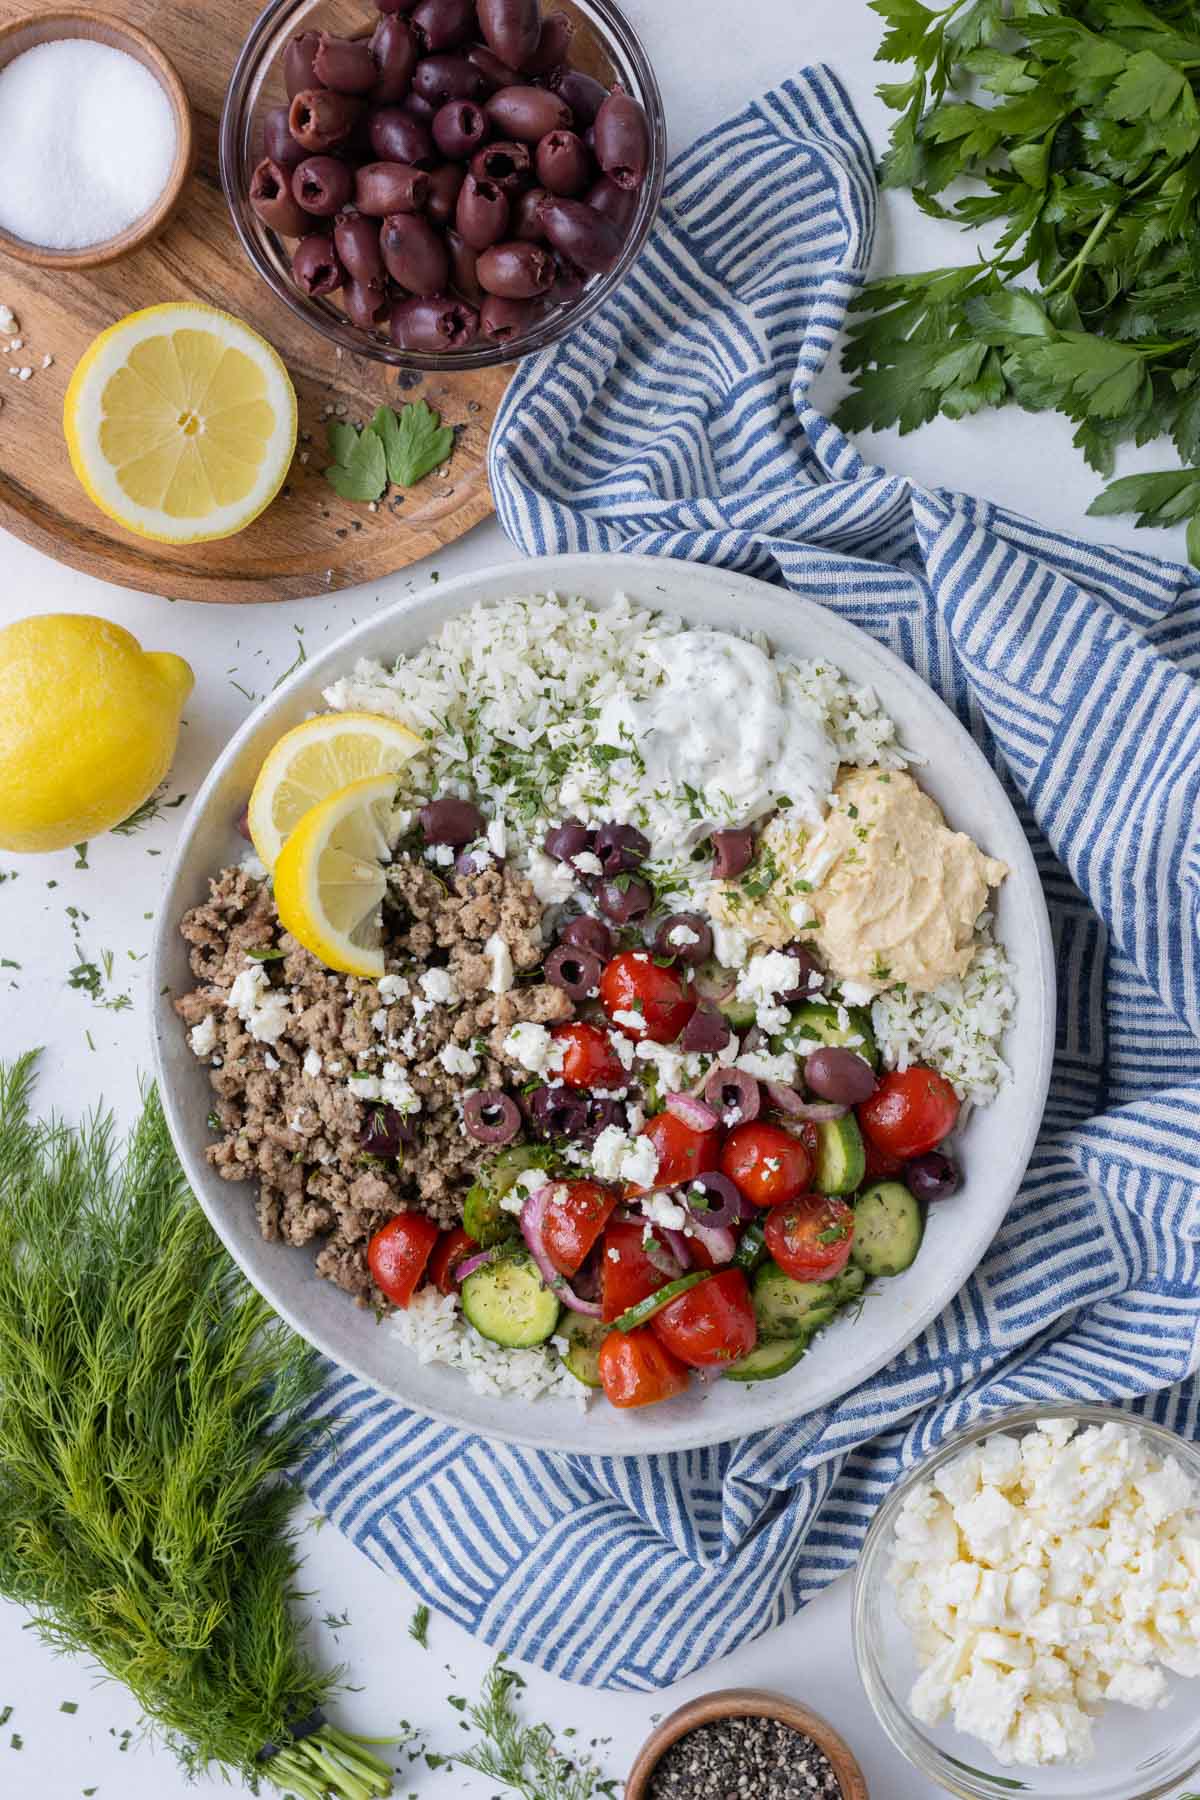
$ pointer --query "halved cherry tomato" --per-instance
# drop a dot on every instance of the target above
(811, 1237)
(576, 1215)
(660, 1000)
(766, 1164)
(589, 1060)
(398, 1253)
(636, 1370)
(455, 1247)
(910, 1112)
(710, 1324)
(627, 1274)
(683, 1152)
(879, 1163)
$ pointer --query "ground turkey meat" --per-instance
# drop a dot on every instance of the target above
(285, 1082)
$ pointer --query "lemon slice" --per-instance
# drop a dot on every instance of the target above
(316, 759)
(181, 423)
(330, 881)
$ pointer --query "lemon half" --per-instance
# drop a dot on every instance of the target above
(181, 423)
(330, 881)
(316, 759)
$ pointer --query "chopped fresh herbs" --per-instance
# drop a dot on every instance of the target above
(81, 856)
(524, 1757)
(266, 955)
(401, 448)
(151, 808)
(69, 1706)
(418, 1627)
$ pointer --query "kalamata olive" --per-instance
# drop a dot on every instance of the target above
(319, 119)
(298, 71)
(395, 51)
(397, 137)
(469, 863)
(527, 113)
(564, 841)
(434, 324)
(463, 278)
(834, 1073)
(733, 851)
(443, 77)
(612, 202)
(445, 24)
(272, 198)
(414, 254)
(734, 1095)
(385, 1133)
(278, 144)
(582, 93)
(810, 979)
(584, 237)
(382, 188)
(622, 139)
(450, 820)
(553, 46)
(394, 6)
(496, 74)
(357, 242)
(557, 1111)
(621, 848)
(587, 933)
(445, 185)
(491, 1117)
(512, 28)
(459, 128)
(417, 107)
(345, 65)
(624, 898)
(602, 1111)
(562, 163)
(508, 164)
(526, 224)
(686, 935)
(481, 215)
(316, 268)
(577, 972)
(569, 284)
(515, 271)
(322, 185)
(502, 320)
(932, 1176)
(365, 305)
(706, 1032)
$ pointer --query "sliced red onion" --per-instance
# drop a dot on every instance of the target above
(577, 972)
(693, 1112)
(732, 1092)
(733, 851)
(492, 1117)
(587, 1278)
(663, 1259)
(706, 1032)
(243, 824)
(533, 1230)
(468, 1266)
(718, 1240)
(717, 1203)
(679, 1249)
(804, 1112)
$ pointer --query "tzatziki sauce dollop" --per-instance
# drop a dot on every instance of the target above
(721, 729)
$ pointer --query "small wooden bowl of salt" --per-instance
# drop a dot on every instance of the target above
(97, 135)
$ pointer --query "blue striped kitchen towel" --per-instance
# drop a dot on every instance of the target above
(677, 423)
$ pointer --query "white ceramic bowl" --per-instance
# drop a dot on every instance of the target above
(997, 1144)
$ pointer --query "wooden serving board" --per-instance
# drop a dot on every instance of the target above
(309, 541)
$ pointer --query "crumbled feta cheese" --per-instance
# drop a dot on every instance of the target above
(767, 1067)
(270, 1062)
(632, 1021)
(533, 1048)
(639, 1165)
(438, 985)
(203, 1037)
(497, 838)
(618, 1157)
(623, 1047)
(500, 956)
(681, 936)
(253, 866)
(312, 1063)
(552, 882)
(441, 854)
(458, 1061)
(264, 1012)
(730, 946)
(379, 1020)
(660, 1209)
(856, 993)
(391, 1086)
(392, 987)
(587, 863)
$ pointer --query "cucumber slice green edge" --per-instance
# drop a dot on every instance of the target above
(584, 1337)
(888, 1228)
(644, 1310)
(766, 1361)
(841, 1156)
(508, 1302)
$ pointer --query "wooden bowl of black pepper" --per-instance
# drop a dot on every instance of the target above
(745, 1744)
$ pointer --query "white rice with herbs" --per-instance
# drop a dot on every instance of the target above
(433, 1328)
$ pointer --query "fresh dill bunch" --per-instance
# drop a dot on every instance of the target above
(524, 1757)
(150, 1407)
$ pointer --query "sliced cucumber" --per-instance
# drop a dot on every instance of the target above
(752, 1249)
(509, 1303)
(484, 1218)
(741, 1014)
(841, 1156)
(766, 1361)
(584, 1337)
(888, 1228)
(644, 1310)
(849, 1284)
(816, 1020)
(784, 1308)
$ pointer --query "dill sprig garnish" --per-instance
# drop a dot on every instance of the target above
(525, 1757)
(151, 1406)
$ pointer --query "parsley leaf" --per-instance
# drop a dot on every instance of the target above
(415, 441)
(359, 471)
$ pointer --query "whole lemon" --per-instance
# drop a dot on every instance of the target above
(88, 727)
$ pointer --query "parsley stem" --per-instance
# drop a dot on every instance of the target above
(1078, 263)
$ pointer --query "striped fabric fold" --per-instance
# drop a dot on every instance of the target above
(678, 423)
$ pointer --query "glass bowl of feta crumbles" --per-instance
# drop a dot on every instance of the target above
(1027, 1608)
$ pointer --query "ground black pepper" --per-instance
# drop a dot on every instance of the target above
(744, 1759)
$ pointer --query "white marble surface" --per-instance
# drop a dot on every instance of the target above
(711, 58)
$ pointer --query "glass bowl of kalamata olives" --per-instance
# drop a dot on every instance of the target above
(443, 183)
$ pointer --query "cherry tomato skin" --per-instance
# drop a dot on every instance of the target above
(910, 1112)
(766, 1164)
(398, 1253)
(637, 1370)
(575, 1217)
(879, 1163)
(683, 1152)
(589, 1060)
(633, 983)
(627, 1274)
(711, 1324)
(811, 1237)
(455, 1247)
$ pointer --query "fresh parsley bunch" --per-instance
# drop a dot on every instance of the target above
(1078, 122)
